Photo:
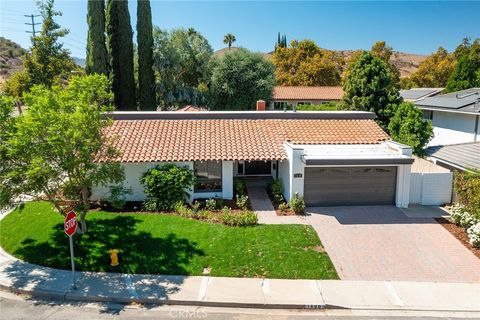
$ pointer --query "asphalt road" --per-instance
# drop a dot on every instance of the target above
(14, 307)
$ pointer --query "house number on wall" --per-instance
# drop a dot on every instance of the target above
(297, 175)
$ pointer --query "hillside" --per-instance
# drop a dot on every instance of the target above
(407, 63)
(10, 58)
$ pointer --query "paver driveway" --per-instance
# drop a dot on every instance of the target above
(382, 243)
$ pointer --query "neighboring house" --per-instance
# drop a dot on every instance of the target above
(190, 108)
(330, 158)
(416, 94)
(284, 96)
(454, 116)
(463, 157)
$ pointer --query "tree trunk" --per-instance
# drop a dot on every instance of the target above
(83, 211)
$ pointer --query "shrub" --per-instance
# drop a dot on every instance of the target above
(220, 203)
(166, 185)
(240, 187)
(245, 218)
(196, 206)
(461, 217)
(183, 210)
(276, 189)
(118, 194)
(467, 220)
(331, 106)
(474, 235)
(297, 204)
(283, 207)
(242, 202)
(467, 188)
(210, 204)
(457, 213)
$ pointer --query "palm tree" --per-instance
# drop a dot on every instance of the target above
(229, 39)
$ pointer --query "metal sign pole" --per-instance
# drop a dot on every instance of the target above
(72, 261)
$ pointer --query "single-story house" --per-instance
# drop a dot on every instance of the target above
(416, 94)
(329, 158)
(456, 157)
(283, 96)
(455, 116)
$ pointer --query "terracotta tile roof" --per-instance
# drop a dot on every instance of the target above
(307, 93)
(233, 139)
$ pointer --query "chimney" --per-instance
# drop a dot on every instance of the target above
(261, 105)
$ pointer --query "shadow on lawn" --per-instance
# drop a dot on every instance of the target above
(138, 251)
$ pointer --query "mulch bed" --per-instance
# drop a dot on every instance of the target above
(459, 233)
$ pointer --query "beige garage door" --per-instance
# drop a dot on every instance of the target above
(342, 186)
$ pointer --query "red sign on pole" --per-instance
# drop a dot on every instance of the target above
(70, 223)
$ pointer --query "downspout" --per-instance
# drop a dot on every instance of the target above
(476, 129)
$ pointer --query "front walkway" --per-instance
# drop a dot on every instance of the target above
(261, 204)
(21, 277)
(382, 243)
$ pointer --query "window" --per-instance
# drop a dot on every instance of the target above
(304, 103)
(427, 114)
(208, 176)
(280, 105)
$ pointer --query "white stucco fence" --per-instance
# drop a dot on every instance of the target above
(430, 184)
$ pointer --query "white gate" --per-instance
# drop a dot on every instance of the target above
(431, 188)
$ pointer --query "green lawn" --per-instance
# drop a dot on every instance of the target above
(165, 244)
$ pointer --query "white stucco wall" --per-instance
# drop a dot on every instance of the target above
(297, 166)
(284, 176)
(452, 128)
(134, 171)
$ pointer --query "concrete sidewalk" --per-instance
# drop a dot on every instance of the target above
(21, 277)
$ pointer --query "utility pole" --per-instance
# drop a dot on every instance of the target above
(33, 24)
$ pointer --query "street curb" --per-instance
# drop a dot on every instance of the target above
(71, 295)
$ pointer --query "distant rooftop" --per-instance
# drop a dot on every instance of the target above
(307, 93)
(467, 101)
(464, 156)
(415, 94)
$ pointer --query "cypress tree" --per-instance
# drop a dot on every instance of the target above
(120, 48)
(146, 79)
(97, 59)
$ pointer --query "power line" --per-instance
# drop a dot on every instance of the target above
(33, 24)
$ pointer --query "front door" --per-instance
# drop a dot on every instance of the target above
(258, 167)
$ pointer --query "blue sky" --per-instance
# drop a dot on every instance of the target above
(415, 27)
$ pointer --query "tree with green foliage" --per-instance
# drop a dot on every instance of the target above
(48, 63)
(181, 63)
(281, 41)
(368, 87)
(52, 150)
(433, 72)
(146, 77)
(120, 48)
(97, 57)
(408, 127)
(239, 79)
(229, 39)
(466, 73)
(381, 50)
(306, 64)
